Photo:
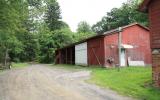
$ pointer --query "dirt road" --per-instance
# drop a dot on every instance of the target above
(40, 82)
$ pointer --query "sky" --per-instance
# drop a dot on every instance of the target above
(74, 11)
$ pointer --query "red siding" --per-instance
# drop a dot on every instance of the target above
(135, 36)
(154, 16)
(140, 39)
(103, 47)
(111, 48)
(96, 51)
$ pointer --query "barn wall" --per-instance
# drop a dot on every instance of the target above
(111, 49)
(154, 16)
(140, 39)
(95, 51)
(134, 35)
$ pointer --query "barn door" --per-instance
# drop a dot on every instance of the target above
(81, 54)
(123, 57)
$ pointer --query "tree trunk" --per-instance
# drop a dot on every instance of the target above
(6, 56)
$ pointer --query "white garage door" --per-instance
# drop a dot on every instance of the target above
(81, 54)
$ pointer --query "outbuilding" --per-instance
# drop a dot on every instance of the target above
(129, 47)
(153, 8)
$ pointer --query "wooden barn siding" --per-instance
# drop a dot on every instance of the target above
(140, 39)
(154, 16)
(135, 36)
(96, 46)
(111, 48)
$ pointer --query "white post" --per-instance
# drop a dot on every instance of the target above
(119, 44)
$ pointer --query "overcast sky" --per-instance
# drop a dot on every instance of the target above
(74, 11)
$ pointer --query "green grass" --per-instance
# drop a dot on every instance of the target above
(70, 67)
(19, 65)
(130, 81)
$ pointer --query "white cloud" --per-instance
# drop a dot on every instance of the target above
(74, 11)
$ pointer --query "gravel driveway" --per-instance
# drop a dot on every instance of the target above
(40, 82)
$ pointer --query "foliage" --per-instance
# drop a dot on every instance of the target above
(13, 13)
(19, 65)
(83, 31)
(81, 36)
(84, 27)
(31, 30)
(30, 47)
(52, 16)
(124, 15)
(51, 41)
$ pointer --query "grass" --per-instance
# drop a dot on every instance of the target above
(70, 67)
(130, 81)
(19, 65)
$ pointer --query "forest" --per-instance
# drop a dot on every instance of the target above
(31, 30)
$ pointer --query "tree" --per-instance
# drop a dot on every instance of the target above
(124, 15)
(53, 15)
(83, 31)
(84, 27)
(51, 41)
(13, 13)
(32, 30)
(29, 47)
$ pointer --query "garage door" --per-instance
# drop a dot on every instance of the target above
(81, 54)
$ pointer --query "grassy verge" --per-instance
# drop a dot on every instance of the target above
(19, 65)
(70, 67)
(130, 81)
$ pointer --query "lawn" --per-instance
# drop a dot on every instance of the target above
(130, 81)
(19, 65)
(70, 67)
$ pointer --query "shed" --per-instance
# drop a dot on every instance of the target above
(153, 8)
(102, 49)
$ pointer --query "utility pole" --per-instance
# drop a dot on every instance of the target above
(119, 45)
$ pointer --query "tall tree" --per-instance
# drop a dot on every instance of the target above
(84, 27)
(51, 40)
(124, 15)
(31, 30)
(53, 15)
(83, 31)
(11, 18)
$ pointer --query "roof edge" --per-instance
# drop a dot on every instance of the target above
(104, 34)
(130, 25)
(123, 27)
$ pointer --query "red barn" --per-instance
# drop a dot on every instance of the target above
(153, 8)
(103, 49)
